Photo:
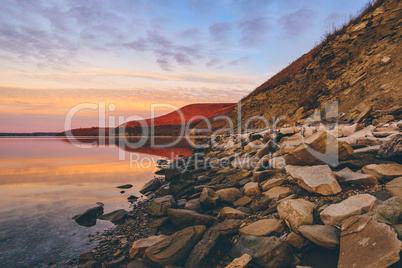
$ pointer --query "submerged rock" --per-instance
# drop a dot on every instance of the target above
(366, 243)
(117, 216)
(125, 186)
(89, 216)
(174, 249)
(316, 179)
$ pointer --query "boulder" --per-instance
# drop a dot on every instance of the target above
(117, 216)
(336, 214)
(242, 201)
(272, 183)
(174, 249)
(390, 210)
(261, 175)
(297, 211)
(229, 195)
(209, 197)
(295, 240)
(151, 186)
(263, 228)
(160, 205)
(322, 235)
(240, 262)
(177, 186)
(89, 216)
(261, 204)
(346, 176)
(184, 217)
(231, 213)
(384, 172)
(227, 227)
(139, 246)
(278, 192)
(266, 252)
(252, 189)
(392, 147)
(315, 179)
(193, 204)
(395, 187)
(319, 148)
(200, 255)
(366, 243)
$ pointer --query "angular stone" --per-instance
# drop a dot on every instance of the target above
(278, 192)
(395, 187)
(242, 201)
(252, 189)
(177, 186)
(209, 197)
(316, 179)
(240, 262)
(200, 255)
(264, 174)
(325, 147)
(336, 214)
(269, 184)
(174, 249)
(160, 205)
(89, 216)
(172, 173)
(184, 217)
(264, 150)
(384, 172)
(227, 227)
(229, 195)
(263, 228)
(391, 148)
(139, 246)
(295, 240)
(261, 204)
(390, 210)
(193, 204)
(266, 252)
(231, 213)
(151, 186)
(297, 211)
(346, 176)
(366, 243)
(322, 235)
(117, 216)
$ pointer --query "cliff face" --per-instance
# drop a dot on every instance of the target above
(359, 66)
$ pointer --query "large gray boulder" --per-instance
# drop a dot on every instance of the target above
(366, 243)
(269, 252)
(174, 249)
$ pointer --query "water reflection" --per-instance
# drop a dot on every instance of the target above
(44, 182)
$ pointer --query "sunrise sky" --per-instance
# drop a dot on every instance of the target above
(57, 54)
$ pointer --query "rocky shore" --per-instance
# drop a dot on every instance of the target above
(269, 199)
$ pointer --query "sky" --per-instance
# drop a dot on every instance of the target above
(130, 54)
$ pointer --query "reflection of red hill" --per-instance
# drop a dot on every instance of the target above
(189, 112)
(181, 148)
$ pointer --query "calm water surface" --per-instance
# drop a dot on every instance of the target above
(46, 181)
